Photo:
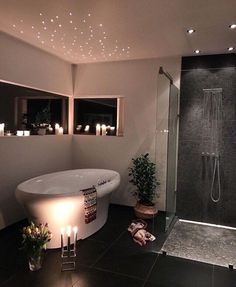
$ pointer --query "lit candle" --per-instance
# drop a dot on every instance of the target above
(57, 126)
(19, 133)
(112, 130)
(68, 239)
(87, 127)
(26, 133)
(104, 130)
(62, 240)
(60, 131)
(75, 229)
(2, 126)
(98, 130)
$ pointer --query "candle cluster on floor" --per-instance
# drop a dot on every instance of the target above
(68, 247)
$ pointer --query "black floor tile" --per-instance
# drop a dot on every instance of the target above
(172, 271)
(98, 278)
(223, 277)
(89, 251)
(129, 261)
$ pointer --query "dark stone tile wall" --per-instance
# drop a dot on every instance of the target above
(193, 197)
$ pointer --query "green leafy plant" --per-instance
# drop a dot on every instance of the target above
(35, 238)
(43, 117)
(143, 176)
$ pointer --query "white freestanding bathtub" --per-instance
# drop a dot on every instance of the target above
(57, 199)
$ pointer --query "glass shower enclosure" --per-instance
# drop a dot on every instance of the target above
(167, 145)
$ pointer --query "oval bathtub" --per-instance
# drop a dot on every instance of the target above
(57, 199)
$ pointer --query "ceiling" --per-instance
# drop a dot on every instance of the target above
(83, 31)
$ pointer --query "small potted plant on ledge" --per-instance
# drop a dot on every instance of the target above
(35, 238)
(143, 176)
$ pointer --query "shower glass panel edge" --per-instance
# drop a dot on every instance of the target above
(172, 155)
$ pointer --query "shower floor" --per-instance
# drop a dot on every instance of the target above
(205, 243)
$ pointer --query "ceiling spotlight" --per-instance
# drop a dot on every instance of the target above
(197, 51)
(100, 25)
(43, 22)
(71, 21)
(40, 14)
(232, 26)
(52, 20)
(14, 25)
(57, 17)
(59, 25)
(230, 49)
(89, 15)
(32, 27)
(21, 32)
(191, 31)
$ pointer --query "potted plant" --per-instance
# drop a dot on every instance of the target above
(143, 176)
(42, 120)
(35, 238)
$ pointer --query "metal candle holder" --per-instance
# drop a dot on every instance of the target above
(68, 252)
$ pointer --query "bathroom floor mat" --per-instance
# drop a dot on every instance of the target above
(205, 243)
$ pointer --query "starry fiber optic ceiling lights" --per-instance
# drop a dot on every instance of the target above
(78, 40)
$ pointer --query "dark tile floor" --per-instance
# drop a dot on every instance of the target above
(110, 258)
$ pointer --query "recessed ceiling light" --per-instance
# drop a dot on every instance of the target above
(52, 20)
(100, 25)
(32, 27)
(21, 21)
(230, 48)
(45, 28)
(57, 17)
(43, 22)
(89, 15)
(71, 21)
(191, 31)
(232, 26)
(70, 14)
(40, 14)
(81, 32)
(197, 51)
(21, 32)
(59, 25)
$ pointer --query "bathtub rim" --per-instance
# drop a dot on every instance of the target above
(22, 191)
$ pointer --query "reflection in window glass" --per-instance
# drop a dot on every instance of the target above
(97, 116)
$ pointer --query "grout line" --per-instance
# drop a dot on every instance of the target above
(108, 248)
(149, 273)
(118, 273)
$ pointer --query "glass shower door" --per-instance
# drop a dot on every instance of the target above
(172, 154)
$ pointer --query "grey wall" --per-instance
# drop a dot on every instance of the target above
(193, 197)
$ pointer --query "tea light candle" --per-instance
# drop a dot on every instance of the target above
(60, 131)
(104, 130)
(26, 133)
(57, 126)
(87, 128)
(2, 126)
(19, 133)
(98, 130)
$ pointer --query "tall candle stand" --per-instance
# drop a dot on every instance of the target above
(68, 248)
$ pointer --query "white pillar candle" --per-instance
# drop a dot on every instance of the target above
(112, 130)
(104, 130)
(62, 240)
(68, 232)
(98, 130)
(19, 133)
(26, 133)
(75, 230)
(57, 126)
(2, 126)
(87, 128)
(60, 131)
